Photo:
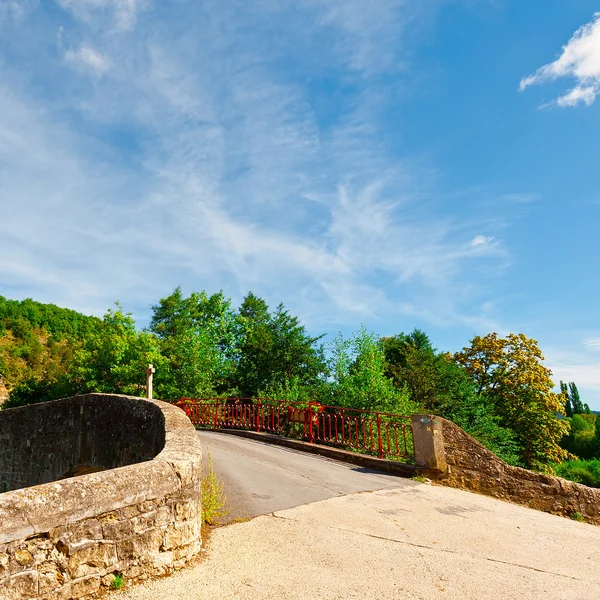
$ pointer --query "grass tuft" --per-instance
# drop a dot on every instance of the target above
(213, 493)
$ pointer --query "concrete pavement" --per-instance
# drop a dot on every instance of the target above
(406, 540)
(416, 541)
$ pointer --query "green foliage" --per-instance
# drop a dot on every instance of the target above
(582, 440)
(573, 402)
(114, 358)
(118, 581)
(580, 471)
(61, 323)
(509, 373)
(294, 390)
(444, 388)
(197, 340)
(496, 389)
(358, 368)
(564, 390)
(37, 343)
(273, 350)
(577, 516)
(34, 391)
(213, 494)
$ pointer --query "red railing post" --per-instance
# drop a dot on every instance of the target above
(310, 425)
(379, 440)
(258, 415)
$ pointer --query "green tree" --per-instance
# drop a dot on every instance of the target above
(197, 340)
(510, 374)
(582, 439)
(114, 358)
(37, 344)
(273, 350)
(564, 390)
(576, 403)
(358, 368)
(444, 388)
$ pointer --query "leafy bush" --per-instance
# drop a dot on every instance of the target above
(580, 471)
(34, 391)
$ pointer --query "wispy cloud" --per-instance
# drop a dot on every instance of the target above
(481, 240)
(580, 59)
(592, 344)
(197, 159)
(123, 12)
(16, 9)
(87, 60)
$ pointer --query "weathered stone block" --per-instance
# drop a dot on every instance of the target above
(23, 585)
(181, 534)
(90, 529)
(141, 545)
(50, 578)
(4, 564)
(185, 511)
(63, 593)
(89, 557)
(117, 530)
(163, 516)
(162, 563)
(23, 558)
(85, 586)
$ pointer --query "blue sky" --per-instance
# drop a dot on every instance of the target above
(397, 163)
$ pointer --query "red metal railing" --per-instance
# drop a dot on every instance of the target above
(386, 435)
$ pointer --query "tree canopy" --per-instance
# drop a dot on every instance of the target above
(497, 389)
(509, 373)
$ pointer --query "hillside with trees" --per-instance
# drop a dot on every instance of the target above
(497, 389)
(38, 342)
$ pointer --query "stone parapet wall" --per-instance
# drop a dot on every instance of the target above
(460, 461)
(43, 443)
(68, 539)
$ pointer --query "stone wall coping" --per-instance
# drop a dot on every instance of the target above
(39, 509)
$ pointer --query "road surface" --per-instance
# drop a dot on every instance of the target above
(406, 541)
(261, 478)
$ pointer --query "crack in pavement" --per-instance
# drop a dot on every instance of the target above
(426, 547)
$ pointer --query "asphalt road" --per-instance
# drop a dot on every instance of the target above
(262, 478)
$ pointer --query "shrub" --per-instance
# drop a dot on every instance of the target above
(580, 471)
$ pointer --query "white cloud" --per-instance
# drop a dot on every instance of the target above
(87, 60)
(581, 365)
(481, 240)
(225, 175)
(586, 376)
(580, 59)
(592, 343)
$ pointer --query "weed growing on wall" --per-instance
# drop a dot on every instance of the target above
(213, 494)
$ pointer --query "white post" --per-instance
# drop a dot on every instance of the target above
(149, 372)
